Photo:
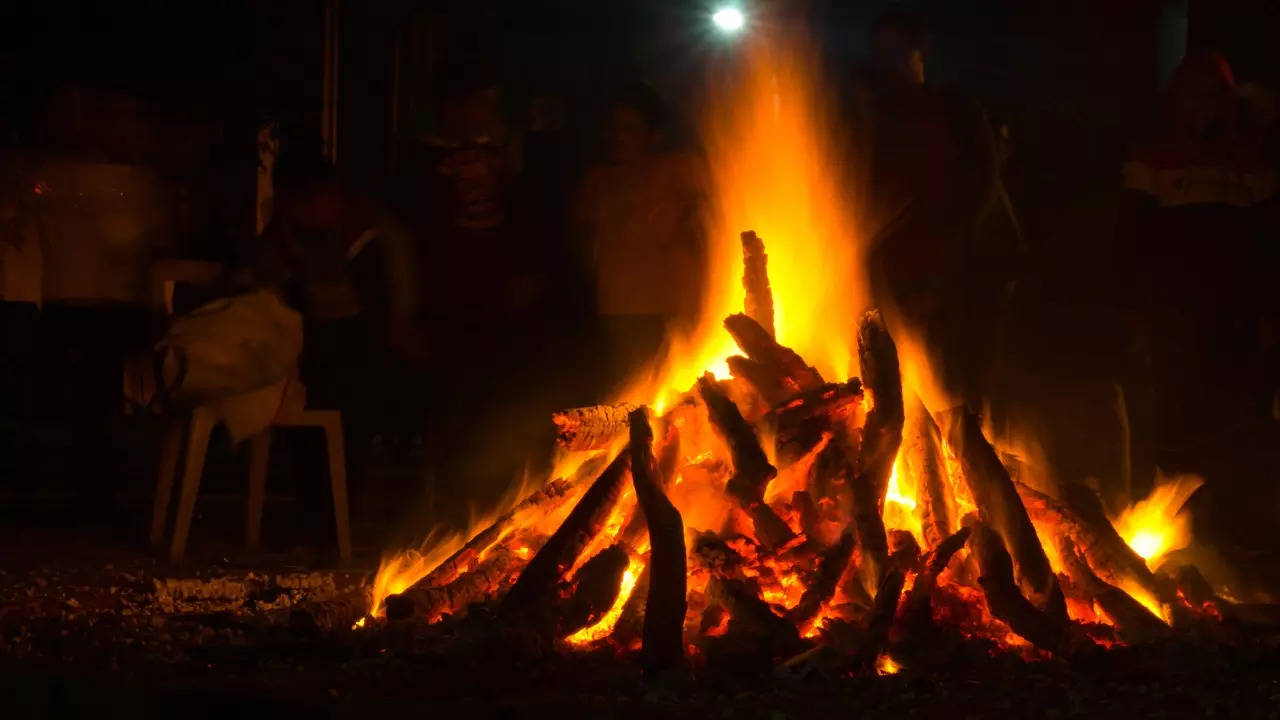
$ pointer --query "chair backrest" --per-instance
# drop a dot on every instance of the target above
(165, 275)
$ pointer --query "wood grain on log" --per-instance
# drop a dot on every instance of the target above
(1002, 509)
(1134, 621)
(547, 499)
(922, 455)
(1093, 535)
(591, 428)
(665, 605)
(485, 579)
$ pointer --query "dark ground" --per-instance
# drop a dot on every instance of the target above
(84, 632)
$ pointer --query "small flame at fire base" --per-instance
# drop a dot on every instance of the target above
(1157, 525)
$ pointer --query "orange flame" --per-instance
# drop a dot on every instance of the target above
(1157, 525)
(604, 626)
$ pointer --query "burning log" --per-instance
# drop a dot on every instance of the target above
(533, 589)
(665, 605)
(1006, 602)
(336, 613)
(779, 372)
(919, 607)
(597, 584)
(881, 617)
(457, 563)
(630, 625)
(755, 281)
(751, 469)
(881, 437)
(802, 420)
(1089, 531)
(750, 615)
(432, 602)
(834, 561)
(1002, 509)
(922, 453)
(1135, 622)
(591, 428)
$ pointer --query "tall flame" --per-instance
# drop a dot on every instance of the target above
(775, 168)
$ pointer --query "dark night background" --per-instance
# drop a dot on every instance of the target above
(180, 88)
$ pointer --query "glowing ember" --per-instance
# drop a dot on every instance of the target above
(1157, 524)
(886, 666)
(604, 626)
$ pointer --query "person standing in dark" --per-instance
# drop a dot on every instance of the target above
(487, 296)
(350, 270)
(944, 252)
(638, 217)
(1194, 233)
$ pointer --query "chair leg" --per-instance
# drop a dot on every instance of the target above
(259, 455)
(202, 424)
(338, 479)
(170, 450)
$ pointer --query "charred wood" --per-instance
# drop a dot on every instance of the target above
(922, 454)
(803, 419)
(881, 437)
(485, 579)
(832, 565)
(1084, 523)
(336, 613)
(591, 428)
(456, 564)
(665, 604)
(751, 469)
(596, 586)
(881, 618)
(755, 281)
(793, 373)
(1135, 622)
(750, 615)
(1005, 601)
(534, 587)
(1002, 510)
(918, 613)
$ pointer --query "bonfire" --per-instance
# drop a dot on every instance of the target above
(739, 500)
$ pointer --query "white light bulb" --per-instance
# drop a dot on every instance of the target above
(729, 19)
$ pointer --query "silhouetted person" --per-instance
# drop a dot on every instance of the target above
(942, 255)
(638, 215)
(1194, 235)
(351, 271)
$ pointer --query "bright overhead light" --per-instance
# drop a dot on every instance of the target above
(729, 19)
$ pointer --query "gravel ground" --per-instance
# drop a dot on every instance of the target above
(106, 633)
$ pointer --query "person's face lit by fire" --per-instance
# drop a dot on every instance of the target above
(628, 136)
